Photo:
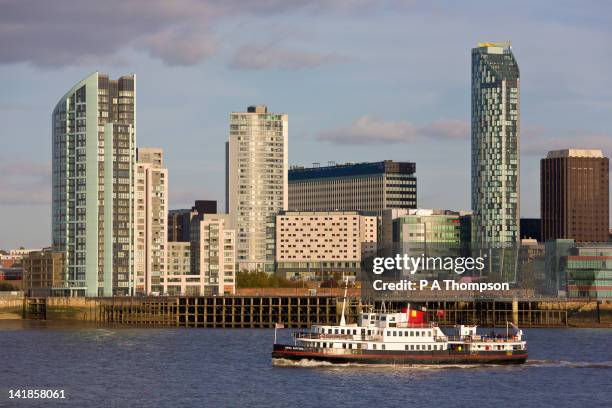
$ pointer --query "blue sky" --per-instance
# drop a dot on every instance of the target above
(361, 80)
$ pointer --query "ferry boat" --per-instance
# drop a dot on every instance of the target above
(402, 338)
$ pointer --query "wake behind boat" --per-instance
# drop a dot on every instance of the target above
(402, 338)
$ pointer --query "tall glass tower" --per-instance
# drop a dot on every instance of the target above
(94, 153)
(495, 145)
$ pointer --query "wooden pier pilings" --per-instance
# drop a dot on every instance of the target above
(295, 311)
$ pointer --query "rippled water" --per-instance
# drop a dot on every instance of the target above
(118, 367)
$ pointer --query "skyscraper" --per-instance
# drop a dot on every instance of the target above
(256, 183)
(495, 144)
(574, 195)
(150, 220)
(94, 139)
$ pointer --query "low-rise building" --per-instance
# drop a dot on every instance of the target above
(43, 273)
(319, 244)
(589, 272)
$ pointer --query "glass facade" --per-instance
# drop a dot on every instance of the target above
(495, 144)
(94, 152)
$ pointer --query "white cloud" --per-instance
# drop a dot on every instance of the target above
(370, 129)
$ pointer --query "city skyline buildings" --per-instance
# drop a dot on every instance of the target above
(495, 145)
(575, 194)
(257, 165)
(93, 155)
(372, 186)
(150, 220)
(190, 102)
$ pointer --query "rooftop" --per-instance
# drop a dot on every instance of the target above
(574, 153)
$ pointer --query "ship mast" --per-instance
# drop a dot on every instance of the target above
(343, 319)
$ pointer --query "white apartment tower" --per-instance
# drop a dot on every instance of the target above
(150, 221)
(256, 183)
(213, 254)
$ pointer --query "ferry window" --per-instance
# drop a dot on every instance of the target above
(417, 333)
(400, 333)
(406, 347)
(365, 317)
(412, 333)
(418, 346)
(374, 346)
(336, 331)
(344, 345)
(423, 333)
(350, 345)
(383, 346)
(383, 318)
(429, 347)
(355, 331)
(412, 347)
(369, 332)
(395, 333)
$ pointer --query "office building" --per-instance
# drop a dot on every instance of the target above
(319, 244)
(213, 254)
(589, 272)
(495, 145)
(179, 221)
(94, 153)
(256, 182)
(150, 220)
(353, 187)
(574, 195)
(432, 226)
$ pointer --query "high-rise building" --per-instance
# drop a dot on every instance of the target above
(150, 220)
(574, 195)
(179, 221)
(94, 153)
(213, 254)
(495, 144)
(319, 244)
(353, 187)
(256, 182)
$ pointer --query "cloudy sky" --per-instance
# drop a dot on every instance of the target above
(361, 80)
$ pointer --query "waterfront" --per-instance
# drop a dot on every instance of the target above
(123, 367)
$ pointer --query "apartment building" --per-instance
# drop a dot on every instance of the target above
(256, 182)
(150, 220)
(93, 162)
(213, 253)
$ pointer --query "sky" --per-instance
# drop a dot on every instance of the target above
(361, 80)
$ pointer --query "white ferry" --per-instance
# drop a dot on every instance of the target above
(391, 338)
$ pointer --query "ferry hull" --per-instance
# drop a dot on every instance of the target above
(393, 357)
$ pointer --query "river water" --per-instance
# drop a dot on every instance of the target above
(119, 367)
